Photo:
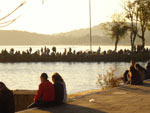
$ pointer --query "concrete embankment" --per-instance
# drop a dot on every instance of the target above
(23, 98)
(124, 99)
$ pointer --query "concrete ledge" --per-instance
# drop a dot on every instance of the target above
(124, 99)
(23, 98)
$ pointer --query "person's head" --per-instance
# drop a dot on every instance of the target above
(139, 67)
(126, 72)
(132, 62)
(148, 67)
(2, 86)
(148, 64)
(44, 77)
(57, 78)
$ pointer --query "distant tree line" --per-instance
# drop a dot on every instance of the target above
(134, 22)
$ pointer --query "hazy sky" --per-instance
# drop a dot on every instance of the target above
(58, 15)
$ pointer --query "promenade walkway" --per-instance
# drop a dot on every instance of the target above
(124, 99)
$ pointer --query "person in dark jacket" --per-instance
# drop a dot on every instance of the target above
(141, 71)
(135, 78)
(60, 89)
(6, 99)
(147, 74)
(45, 93)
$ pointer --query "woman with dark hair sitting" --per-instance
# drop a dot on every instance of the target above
(60, 89)
(6, 99)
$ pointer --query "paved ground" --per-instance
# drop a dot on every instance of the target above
(125, 99)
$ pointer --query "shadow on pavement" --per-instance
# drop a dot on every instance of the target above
(137, 88)
(69, 108)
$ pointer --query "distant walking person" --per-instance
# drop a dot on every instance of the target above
(60, 89)
(6, 99)
(45, 93)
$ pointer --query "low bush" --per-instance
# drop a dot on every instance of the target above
(109, 80)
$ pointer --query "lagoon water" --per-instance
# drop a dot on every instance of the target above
(78, 76)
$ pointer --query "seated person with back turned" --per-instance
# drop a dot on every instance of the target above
(60, 89)
(127, 73)
(135, 78)
(6, 99)
(147, 74)
(45, 93)
(141, 71)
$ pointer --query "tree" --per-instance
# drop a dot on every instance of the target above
(143, 10)
(131, 14)
(117, 29)
(6, 23)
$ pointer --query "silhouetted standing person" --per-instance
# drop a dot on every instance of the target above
(6, 99)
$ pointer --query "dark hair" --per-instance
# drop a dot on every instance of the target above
(148, 64)
(132, 61)
(147, 67)
(126, 72)
(3, 85)
(57, 77)
(44, 75)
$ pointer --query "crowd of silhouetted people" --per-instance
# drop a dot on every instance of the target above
(49, 94)
(136, 74)
(51, 55)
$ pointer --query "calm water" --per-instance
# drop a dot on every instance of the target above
(78, 76)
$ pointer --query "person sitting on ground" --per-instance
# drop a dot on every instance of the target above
(141, 71)
(6, 99)
(45, 93)
(126, 76)
(147, 74)
(134, 75)
(60, 89)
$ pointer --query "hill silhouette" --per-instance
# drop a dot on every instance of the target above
(75, 37)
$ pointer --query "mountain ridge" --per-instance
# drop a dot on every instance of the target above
(75, 37)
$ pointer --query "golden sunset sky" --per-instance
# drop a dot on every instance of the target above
(56, 16)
